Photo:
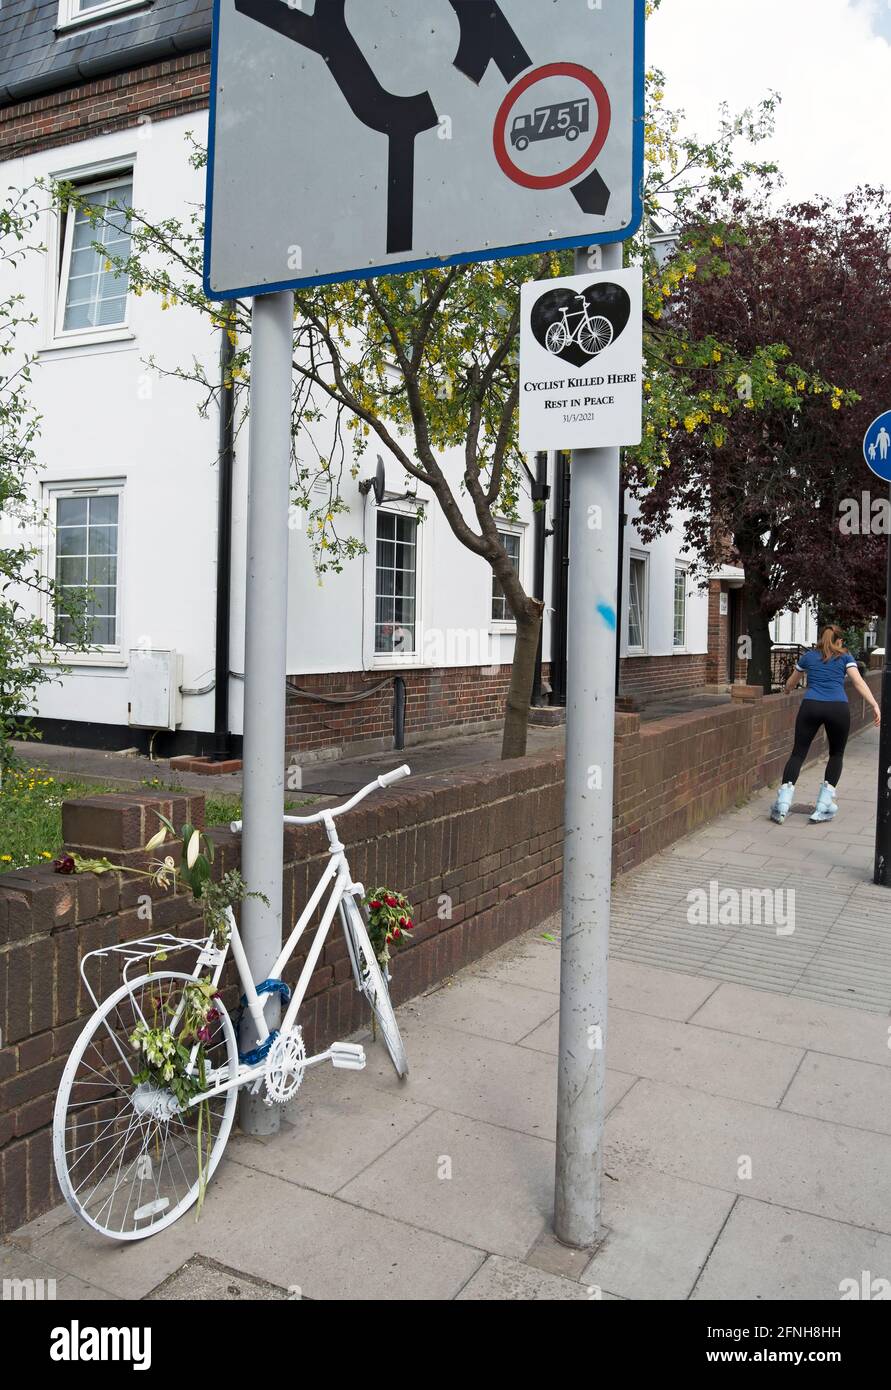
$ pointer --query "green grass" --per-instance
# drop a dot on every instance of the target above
(31, 812)
(31, 815)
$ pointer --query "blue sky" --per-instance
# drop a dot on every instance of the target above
(829, 59)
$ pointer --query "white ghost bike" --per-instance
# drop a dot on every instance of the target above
(130, 1157)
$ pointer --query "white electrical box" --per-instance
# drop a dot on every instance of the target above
(156, 700)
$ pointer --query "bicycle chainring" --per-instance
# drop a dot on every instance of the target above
(285, 1067)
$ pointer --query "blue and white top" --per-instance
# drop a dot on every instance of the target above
(825, 679)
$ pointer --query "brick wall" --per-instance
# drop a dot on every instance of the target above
(455, 697)
(157, 91)
(652, 677)
(490, 838)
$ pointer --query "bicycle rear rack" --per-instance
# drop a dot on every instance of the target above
(148, 948)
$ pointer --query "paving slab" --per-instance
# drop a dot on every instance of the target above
(481, 1078)
(472, 1182)
(807, 1164)
(772, 1253)
(488, 1007)
(663, 1049)
(530, 961)
(278, 1231)
(660, 1230)
(335, 1127)
(845, 1092)
(501, 1280)
(812, 1025)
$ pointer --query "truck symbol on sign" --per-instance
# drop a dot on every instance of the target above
(566, 119)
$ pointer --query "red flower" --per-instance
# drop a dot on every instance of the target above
(391, 902)
(409, 924)
(389, 937)
(375, 905)
(396, 931)
(64, 864)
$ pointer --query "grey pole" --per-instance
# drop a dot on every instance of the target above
(592, 622)
(265, 655)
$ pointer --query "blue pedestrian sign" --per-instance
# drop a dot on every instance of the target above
(877, 446)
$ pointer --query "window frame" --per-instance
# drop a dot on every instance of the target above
(92, 179)
(99, 654)
(374, 659)
(632, 650)
(71, 17)
(506, 528)
(680, 570)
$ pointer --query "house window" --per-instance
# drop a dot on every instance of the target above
(86, 565)
(680, 607)
(395, 598)
(637, 604)
(91, 294)
(82, 11)
(500, 608)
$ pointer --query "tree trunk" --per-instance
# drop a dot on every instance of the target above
(758, 628)
(519, 695)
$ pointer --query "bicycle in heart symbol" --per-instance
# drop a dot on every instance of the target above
(592, 332)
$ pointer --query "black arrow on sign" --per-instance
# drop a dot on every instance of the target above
(401, 119)
(487, 37)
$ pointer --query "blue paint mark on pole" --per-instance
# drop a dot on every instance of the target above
(608, 615)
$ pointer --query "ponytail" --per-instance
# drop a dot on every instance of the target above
(832, 642)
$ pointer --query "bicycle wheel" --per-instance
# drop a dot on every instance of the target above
(127, 1156)
(374, 987)
(556, 337)
(595, 335)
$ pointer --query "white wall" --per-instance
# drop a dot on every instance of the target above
(106, 416)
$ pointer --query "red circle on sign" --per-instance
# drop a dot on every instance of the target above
(604, 118)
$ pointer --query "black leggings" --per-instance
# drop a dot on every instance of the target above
(836, 716)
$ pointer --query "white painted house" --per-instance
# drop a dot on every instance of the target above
(131, 480)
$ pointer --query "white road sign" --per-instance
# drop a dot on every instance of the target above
(354, 137)
(581, 361)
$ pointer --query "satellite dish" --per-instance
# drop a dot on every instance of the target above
(380, 481)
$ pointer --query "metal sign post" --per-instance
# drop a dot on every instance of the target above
(882, 870)
(587, 857)
(877, 452)
(265, 657)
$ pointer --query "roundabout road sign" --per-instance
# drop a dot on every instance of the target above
(363, 139)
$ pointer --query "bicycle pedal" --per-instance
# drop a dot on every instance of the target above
(348, 1055)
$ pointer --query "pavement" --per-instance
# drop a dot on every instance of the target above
(748, 1151)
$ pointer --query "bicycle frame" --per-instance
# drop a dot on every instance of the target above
(338, 878)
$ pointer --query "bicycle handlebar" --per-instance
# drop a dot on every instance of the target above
(386, 779)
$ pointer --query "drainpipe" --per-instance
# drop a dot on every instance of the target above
(560, 578)
(221, 742)
(540, 494)
(620, 608)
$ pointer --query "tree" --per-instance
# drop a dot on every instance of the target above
(814, 280)
(24, 636)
